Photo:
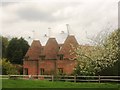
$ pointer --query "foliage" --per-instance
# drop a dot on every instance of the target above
(0, 46)
(77, 69)
(4, 46)
(93, 59)
(7, 67)
(115, 40)
(16, 50)
(85, 62)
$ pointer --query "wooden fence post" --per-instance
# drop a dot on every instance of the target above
(52, 78)
(8, 76)
(99, 78)
(75, 78)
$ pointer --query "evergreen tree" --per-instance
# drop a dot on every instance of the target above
(16, 50)
(4, 43)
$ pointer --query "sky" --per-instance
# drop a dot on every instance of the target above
(36, 19)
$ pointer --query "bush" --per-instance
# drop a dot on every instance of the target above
(8, 68)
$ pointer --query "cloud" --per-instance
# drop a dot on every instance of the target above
(82, 15)
(31, 14)
(7, 3)
(47, 13)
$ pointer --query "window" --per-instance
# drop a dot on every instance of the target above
(42, 57)
(60, 71)
(42, 71)
(26, 71)
(61, 56)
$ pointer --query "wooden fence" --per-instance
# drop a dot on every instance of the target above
(65, 78)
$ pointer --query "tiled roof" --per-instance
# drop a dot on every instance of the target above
(34, 51)
(51, 49)
(67, 49)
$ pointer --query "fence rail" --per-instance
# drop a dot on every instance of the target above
(65, 78)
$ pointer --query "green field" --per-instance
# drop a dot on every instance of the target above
(7, 83)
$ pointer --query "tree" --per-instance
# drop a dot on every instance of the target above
(4, 42)
(16, 50)
(114, 39)
(77, 69)
(7, 67)
(93, 59)
(86, 63)
(0, 47)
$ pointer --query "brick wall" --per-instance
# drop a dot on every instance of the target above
(32, 67)
(47, 65)
(66, 65)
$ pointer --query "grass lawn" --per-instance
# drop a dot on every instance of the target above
(8, 83)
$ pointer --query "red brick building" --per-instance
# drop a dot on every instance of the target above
(52, 58)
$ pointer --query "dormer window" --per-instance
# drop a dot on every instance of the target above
(42, 57)
(60, 56)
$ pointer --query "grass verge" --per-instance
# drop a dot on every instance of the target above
(9, 83)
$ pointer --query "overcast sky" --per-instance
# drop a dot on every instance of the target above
(32, 18)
